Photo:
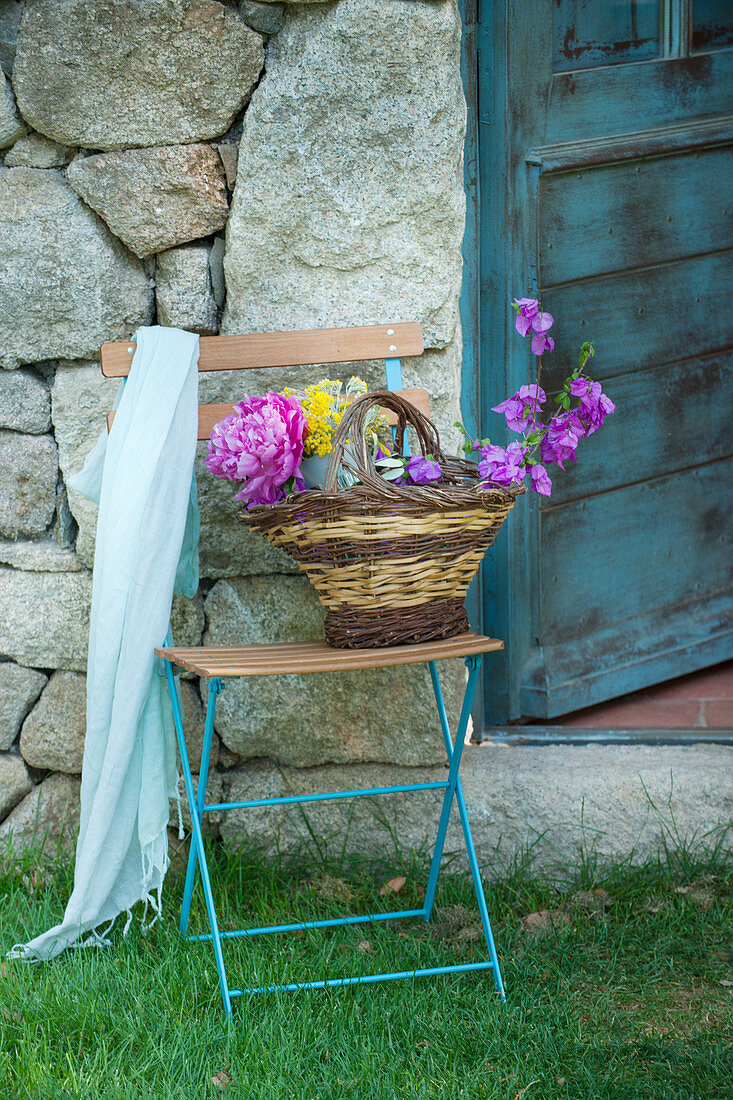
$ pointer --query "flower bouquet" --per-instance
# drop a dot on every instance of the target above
(389, 539)
(279, 444)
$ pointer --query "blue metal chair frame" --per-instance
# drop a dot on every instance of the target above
(451, 786)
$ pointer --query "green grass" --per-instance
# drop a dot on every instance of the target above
(621, 997)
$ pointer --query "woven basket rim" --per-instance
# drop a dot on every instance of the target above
(419, 497)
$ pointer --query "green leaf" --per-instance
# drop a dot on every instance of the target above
(390, 462)
(391, 475)
(587, 352)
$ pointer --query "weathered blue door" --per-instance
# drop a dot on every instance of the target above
(605, 168)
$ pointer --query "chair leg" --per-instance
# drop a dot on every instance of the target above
(478, 887)
(454, 760)
(473, 663)
(215, 687)
(198, 855)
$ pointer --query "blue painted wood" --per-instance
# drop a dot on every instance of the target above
(653, 294)
(651, 545)
(469, 302)
(625, 98)
(668, 418)
(649, 648)
(587, 34)
(504, 244)
(680, 137)
(712, 25)
(643, 317)
(649, 211)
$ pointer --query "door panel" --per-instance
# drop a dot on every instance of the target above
(712, 25)
(641, 318)
(605, 191)
(651, 647)
(620, 99)
(674, 416)
(586, 33)
(669, 533)
(634, 214)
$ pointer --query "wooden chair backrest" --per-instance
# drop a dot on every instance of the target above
(257, 351)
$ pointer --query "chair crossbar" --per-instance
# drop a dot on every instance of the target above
(367, 979)
(331, 922)
(286, 800)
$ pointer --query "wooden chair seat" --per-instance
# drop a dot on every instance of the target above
(293, 657)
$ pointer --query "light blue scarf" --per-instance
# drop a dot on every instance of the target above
(147, 547)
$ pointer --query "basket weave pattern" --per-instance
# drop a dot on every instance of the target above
(391, 563)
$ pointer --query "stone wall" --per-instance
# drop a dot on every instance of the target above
(220, 167)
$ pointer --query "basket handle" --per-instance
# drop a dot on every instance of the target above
(358, 459)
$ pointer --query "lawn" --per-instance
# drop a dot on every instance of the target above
(620, 985)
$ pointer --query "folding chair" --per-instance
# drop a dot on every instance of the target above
(219, 664)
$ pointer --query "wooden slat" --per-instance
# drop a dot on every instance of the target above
(209, 415)
(668, 418)
(592, 102)
(290, 658)
(649, 647)
(621, 315)
(567, 156)
(648, 546)
(286, 349)
(635, 214)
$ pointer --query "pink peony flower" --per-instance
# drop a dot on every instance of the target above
(261, 445)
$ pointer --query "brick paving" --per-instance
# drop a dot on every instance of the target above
(702, 700)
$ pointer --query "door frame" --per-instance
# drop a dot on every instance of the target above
(484, 282)
(500, 260)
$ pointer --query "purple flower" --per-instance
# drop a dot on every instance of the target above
(532, 393)
(261, 445)
(579, 386)
(540, 480)
(541, 342)
(563, 434)
(526, 310)
(542, 322)
(515, 413)
(503, 467)
(421, 470)
(541, 325)
(519, 409)
(594, 404)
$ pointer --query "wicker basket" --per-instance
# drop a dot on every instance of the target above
(391, 563)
